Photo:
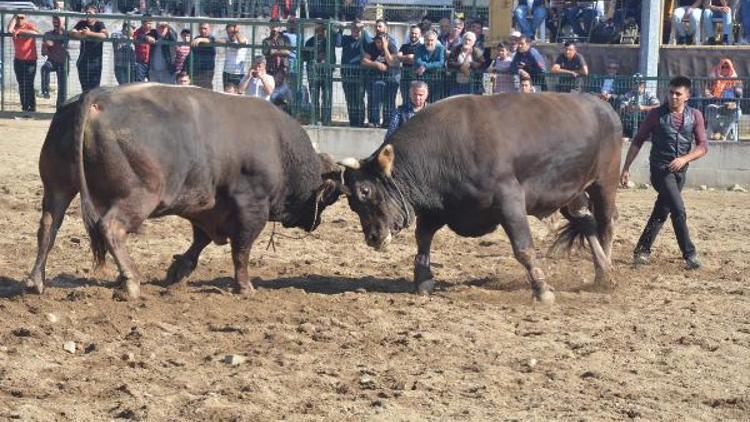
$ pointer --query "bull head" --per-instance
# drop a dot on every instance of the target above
(375, 196)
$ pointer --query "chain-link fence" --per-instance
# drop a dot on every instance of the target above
(315, 68)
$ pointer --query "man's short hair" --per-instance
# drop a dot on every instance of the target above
(501, 46)
(569, 43)
(182, 75)
(185, 31)
(415, 27)
(418, 85)
(259, 59)
(524, 38)
(430, 33)
(525, 78)
(681, 82)
(377, 21)
(91, 6)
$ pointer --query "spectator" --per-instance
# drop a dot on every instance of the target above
(527, 62)
(533, 9)
(183, 78)
(672, 128)
(610, 87)
(425, 25)
(352, 47)
(513, 38)
(24, 61)
(418, 93)
(502, 80)
(381, 28)
(162, 68)
(572, 67)
(182, 51)
(444, 25)
(477, 28)
(381, 64)
(276, 48)
(282, 95)
(463, 64)
(525, 86)
(235, 57)
(430, 65)
(406, 57)
(634, 105)
(719, 9)
(723, 82)
(581, 17)
(291, 36)
(454, 37)
(723, 115)
(685, 19)
(124, 54)
(257, 82)
(91, 32)
(203, 57)
(55, 47)
(144, 37)
(320, 63)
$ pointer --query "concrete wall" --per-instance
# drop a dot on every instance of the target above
(726, 164)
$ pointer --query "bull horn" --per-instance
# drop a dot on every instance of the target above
(350, 162)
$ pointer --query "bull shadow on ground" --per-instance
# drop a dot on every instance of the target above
(313, 284)
(10, 287)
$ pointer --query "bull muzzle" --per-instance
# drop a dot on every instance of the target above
(379, 243)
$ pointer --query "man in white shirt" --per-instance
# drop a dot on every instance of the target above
(258, 83)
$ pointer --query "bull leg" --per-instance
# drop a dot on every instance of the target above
(53, 211)
(252, 218)
(183, 265)
(605, 214)
(425, 232)
(124, 216)
(516, 225)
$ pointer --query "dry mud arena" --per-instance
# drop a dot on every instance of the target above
(334, 332)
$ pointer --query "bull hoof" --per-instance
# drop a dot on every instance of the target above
(128, 290)
(544, 296)
(604, 283)
(180, 269)
(34, 286)
(426, 287)
(244, 289)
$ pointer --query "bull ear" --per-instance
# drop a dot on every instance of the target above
(385, 159)
(329, 192)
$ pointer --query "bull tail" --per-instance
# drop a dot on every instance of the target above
(90, 214)
(579, 228)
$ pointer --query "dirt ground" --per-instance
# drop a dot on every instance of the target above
(333, 332)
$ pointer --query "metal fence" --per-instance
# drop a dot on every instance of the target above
(317, 89)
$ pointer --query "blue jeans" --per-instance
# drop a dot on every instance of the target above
(538, 15)
(708, 26)
(381, 93)
(125, 75)
(62, 80)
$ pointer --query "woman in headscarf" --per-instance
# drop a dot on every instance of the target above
(723, 81)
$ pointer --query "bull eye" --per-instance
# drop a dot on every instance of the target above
(365, 192)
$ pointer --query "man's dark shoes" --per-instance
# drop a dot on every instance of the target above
(692, 263)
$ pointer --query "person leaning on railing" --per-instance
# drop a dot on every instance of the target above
(55, 47)
(162, 68)
(527, 62)
(381, 81)
(202, 59)
(571, 68)
(24, 61)
(235, 58)
(352, 47)
(405, 55)
(320, 62)
(463, 64)
(91, 31)
(429, 62)
(123, 53)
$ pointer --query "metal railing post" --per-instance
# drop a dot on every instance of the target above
(2, 62)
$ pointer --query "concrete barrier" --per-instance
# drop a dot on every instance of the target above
(727, 163)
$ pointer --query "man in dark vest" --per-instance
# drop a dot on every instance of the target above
(418, 93)
(673, 129)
